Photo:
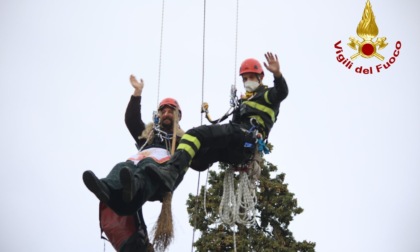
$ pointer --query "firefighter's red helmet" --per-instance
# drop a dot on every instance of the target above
(251, 66)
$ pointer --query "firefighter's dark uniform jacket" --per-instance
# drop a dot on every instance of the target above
(227, 142)
(263, 107)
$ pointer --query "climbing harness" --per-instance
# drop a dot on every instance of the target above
(157, 132)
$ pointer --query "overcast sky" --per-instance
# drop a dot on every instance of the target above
(349, 143)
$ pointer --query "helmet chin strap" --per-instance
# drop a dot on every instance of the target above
(259, 78)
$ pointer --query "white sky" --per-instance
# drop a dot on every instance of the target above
(348, 143)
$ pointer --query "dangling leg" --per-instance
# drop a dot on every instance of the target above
(109, 189)
(172, 174)
(137, 185)
(127, 181)
(133, 181)
(217, 138)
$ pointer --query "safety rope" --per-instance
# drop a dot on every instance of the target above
(201, 119)
(160, 51)
(204, 53)
(229, 208)
(236, 41)
(234, 238)
(233, 89)
(239, 208)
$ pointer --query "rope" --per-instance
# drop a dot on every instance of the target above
(233, 208)
(201, 119)
(238, 207)
(246, 201)
(234, 82)
(236, 40)
(234, 239)
(147, 140)
(195, 210)
(227, 206)
(160, 51)
(233, 90)
(205, 200)
(204, 51)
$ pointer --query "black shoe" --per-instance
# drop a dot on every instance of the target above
(96, 186)
(167, 175)
(126, 179)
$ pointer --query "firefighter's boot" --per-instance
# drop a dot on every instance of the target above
(170, 174)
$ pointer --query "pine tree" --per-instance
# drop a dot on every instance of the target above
(276, 207)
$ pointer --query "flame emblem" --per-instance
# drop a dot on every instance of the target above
(367, 30)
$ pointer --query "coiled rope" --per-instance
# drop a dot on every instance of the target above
(239, 207)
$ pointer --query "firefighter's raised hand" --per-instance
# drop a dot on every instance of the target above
(272, 64)
(137, 85)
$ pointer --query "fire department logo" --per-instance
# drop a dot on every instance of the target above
(367, 30)
(367, 45)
